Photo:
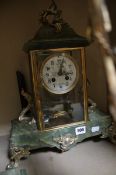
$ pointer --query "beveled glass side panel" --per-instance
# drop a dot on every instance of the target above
(61, 70)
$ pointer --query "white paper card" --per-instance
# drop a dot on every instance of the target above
(95, 129)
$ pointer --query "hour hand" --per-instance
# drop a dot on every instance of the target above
(60, 72)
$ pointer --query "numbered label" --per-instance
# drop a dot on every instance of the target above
(80, 130)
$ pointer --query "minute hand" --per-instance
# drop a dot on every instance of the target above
(60, 72)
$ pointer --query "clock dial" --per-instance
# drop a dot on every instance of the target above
(59, 73)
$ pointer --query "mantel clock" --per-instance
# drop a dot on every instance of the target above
(63, 115)
(57, 63)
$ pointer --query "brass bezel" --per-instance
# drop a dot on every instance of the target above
(36, 82)
(62, 91)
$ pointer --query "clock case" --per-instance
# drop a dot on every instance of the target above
(25, 136)
(49, 111)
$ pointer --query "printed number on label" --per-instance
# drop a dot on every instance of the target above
(80, 130)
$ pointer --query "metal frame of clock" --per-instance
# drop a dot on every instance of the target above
(57, 85)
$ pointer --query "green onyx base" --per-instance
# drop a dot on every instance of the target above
(26, 137)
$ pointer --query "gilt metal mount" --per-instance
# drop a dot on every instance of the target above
(52, 16)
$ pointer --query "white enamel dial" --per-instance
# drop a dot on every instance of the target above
(59, 73)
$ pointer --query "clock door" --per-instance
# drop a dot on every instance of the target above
(59, 84)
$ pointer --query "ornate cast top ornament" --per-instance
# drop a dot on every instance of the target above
(52, 16)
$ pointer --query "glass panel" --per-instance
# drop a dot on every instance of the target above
(60, 87)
